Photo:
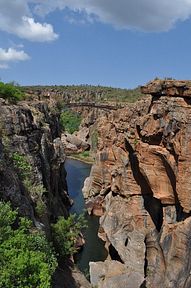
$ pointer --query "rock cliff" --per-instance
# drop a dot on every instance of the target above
(142, 174)
(30, 130)
(32, 173)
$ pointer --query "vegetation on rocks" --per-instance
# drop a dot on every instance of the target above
(27, 260)
(10, 92)
(103, 93)
(66, 232)
(87, 93)
(85, 154)
(70, 121)
(35, 190)
(20, 162)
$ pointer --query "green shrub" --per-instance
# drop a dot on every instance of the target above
(20, 161)
(10, 92)
(26, 258)
(70, 121)
(36, 192)
(40, 207)
(66, 232)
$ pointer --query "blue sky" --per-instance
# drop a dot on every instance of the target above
(121, 43)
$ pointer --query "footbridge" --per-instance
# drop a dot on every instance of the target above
(102, 106)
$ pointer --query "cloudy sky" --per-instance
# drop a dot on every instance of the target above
(121, 43)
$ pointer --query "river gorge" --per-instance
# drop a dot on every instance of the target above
(93, 250)
(139, 183)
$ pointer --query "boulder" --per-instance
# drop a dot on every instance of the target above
(113, 274)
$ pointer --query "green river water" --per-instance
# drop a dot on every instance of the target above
(93, 250)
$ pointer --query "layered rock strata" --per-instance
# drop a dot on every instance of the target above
(31, 130)
(142, 171)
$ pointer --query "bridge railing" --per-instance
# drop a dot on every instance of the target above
(94, 105)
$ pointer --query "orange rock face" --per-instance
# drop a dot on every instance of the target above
(170, 88)
(143, 169)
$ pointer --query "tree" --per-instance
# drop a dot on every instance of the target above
(66, 232)
(70, 121)
(26, 258)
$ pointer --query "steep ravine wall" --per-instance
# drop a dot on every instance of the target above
(32, 130)
(30, 136)
(142, 174)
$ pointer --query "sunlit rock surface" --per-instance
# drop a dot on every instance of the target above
(143, 171)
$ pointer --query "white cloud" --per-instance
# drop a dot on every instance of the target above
(148, 15)
(11, 55)
(16, 18)
(35, 31)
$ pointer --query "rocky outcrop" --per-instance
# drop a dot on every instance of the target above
(142, 170)
(85, 139)
(73, 143)
(115, 275)
(31, 130)
(170, 88)
(65, 94)
(70, 277)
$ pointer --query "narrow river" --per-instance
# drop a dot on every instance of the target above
(93, 250)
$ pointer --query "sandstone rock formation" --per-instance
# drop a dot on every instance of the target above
(143, 172)
(115, 275)
(73, 143)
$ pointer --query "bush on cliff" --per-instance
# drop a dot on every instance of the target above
(70, 121)
(26, 258)
(35, 190)
(21, 163)
(10, 92)
(66, 233)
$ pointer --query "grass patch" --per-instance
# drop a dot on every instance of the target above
(83, 156)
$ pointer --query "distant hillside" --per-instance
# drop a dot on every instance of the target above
(80, 93)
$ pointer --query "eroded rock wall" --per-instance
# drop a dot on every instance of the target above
(31, 129)
(142, 172)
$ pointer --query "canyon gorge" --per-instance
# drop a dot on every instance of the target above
(139, 184)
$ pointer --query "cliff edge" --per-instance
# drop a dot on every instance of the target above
(142, 176)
